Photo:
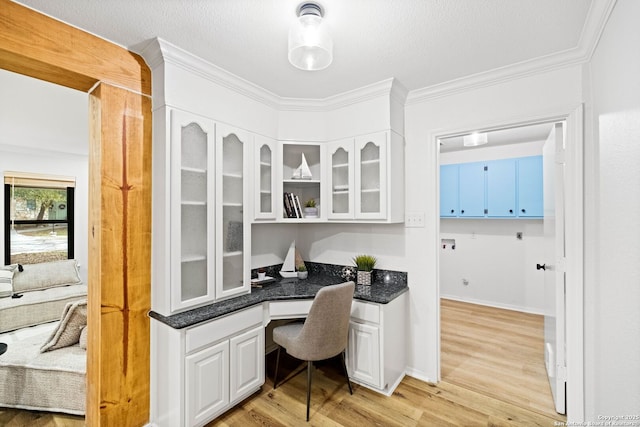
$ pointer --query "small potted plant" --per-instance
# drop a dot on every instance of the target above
(365, 265)
(310, 209)
(302, 272)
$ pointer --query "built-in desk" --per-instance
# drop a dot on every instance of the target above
(205, 361)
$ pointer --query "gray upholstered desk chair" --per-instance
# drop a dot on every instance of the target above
(323, 334)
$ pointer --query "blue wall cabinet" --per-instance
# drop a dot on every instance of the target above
(501, 188)
(508, 188)
(530, 187)
(472, 190)
(449, 190)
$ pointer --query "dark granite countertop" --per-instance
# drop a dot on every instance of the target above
(381, 291)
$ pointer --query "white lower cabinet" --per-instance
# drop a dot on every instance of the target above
(207, 385)
(376, 349)
(247, 363)
(364, 353)
(200, 372)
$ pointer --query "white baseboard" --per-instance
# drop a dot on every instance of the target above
(419, 375)
(495, 304)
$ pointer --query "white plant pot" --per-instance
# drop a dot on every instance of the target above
(310, 212)
(364, 278)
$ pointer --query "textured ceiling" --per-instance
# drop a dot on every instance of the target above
(422, 43)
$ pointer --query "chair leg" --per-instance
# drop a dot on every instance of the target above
(346, 374)
(275, 376)
(309, 373)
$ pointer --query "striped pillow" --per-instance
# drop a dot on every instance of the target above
(6, 280)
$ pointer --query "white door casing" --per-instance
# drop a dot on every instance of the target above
(554, 265)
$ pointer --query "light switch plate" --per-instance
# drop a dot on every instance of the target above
(414, 219)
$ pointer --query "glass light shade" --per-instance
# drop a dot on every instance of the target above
(475, 139)
(310, 45)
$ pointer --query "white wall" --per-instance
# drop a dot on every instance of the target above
(510, 102)
(612, 229)
(499, 269)
(44, 129)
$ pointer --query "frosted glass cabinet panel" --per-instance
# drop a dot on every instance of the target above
(371, 174)
(233, 242)
(192, 157)
(341, 179)
(265, 155)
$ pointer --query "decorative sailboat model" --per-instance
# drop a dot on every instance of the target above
(303, 171)
(291, 262)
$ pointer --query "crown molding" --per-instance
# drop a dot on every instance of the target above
(388, 87)
(595, 22)
(159, 51)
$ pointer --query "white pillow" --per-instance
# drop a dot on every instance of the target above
(6, 280)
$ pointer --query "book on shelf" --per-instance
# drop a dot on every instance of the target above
(296, 202)
(288, 211)
(292, 207)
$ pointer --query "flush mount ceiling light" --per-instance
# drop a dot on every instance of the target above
(310, 45)
(474, 139)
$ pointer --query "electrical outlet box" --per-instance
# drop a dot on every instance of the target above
(414, 219)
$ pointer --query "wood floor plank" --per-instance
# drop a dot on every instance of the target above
(492, 375)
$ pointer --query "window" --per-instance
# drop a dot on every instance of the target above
(38, 218)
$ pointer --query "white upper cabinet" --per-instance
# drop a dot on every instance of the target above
(341, 179)
(264, 154)
(201, 245)
(192, 210)
(361, 185)
(232, 231)
(370, 174)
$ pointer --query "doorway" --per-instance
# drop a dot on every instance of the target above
(573, 192)
(119, 84)
(488, 255)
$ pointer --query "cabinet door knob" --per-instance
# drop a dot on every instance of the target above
(511, 211)
(523, 210)
(462, 211)
(452, 211)
(541, 266)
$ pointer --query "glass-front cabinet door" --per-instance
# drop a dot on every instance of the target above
(192, 216)
(371, 172)
(233, 239)
(265, 181)
(341, 179)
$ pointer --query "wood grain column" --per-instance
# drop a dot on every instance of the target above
(120, 262)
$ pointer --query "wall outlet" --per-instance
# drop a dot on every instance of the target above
(414, 219)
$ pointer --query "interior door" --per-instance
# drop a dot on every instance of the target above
(554, 265)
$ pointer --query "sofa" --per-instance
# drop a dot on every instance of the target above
(43, 318)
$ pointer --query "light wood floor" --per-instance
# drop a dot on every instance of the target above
(492, 375)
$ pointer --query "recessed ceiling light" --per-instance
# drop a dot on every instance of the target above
(474, 139)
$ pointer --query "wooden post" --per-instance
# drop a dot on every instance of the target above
(120, 199)
(120, 178)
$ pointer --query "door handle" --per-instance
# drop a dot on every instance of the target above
(541, 267)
